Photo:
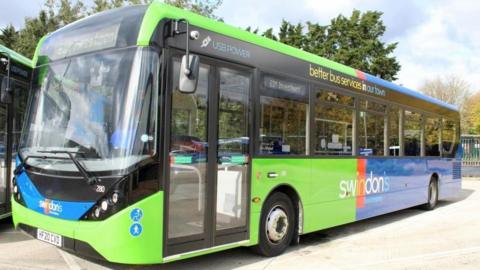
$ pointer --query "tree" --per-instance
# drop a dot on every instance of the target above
(354, 41)
(69, 12)
(8, 36)
(450, 89)
(205, 7)
(292, 34)
(34, 30)
(472, 115)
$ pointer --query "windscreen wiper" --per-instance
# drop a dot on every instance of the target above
(23, 163)
(89, 178)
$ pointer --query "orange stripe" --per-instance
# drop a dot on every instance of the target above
(361, 175)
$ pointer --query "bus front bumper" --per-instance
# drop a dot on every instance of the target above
(111, 239)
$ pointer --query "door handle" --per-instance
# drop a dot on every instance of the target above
(272, 175)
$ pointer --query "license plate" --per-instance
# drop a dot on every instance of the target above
(49, 237)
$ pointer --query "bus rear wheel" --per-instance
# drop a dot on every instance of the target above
(432, 195)
(276, 225)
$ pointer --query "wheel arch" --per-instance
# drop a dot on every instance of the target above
(294, 196)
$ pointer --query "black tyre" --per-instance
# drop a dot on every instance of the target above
(277, 225)
(432, 195)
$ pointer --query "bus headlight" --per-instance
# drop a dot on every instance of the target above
(96, 212)
(104, 205)
(114, 198)
(17, 196)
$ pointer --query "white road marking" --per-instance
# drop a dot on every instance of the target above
(69, 260)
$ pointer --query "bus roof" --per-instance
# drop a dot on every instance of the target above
(158, 11)
(16, 57)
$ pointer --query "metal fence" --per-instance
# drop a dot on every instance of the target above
(471, 155)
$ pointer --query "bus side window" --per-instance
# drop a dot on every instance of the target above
(449, 138)
(333, 124)
(371, 128)
(283, 119)
(412, 130)
(432, 137)
(394, 131)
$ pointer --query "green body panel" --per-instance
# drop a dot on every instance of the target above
(158, 11)
(16, 57)
(37, 51)
(316, 182)
(111, 237)
(326, 209)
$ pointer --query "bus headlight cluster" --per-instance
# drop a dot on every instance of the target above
(16, 191)
(106, 206)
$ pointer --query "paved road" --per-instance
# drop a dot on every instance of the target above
(447, 238)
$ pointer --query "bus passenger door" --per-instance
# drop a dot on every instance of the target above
(3, 156)
(11, 121)
(209, 147)
(233, 148)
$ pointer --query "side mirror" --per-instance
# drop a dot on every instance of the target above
(189, 71)
(5, 92)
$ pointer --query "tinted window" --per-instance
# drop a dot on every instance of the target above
(333, 124)
(449, 138)
(393, 133)
(333, 97)
(372, 106)
(432, 137)
(412, 133)
(283, 117)
(371, 130)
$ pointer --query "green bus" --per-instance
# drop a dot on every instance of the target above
(15, 78)
(154, 134)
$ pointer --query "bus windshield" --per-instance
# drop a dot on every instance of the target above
(101, 106)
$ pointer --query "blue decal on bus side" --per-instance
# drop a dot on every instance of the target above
(60, 209)
(136, 215)
(394, 184)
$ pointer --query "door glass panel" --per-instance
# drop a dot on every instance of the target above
(233, 145)
(19, 108)
(188, 158)
(371, 134)
(3, 149)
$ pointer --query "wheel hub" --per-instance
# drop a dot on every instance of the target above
(276, 225)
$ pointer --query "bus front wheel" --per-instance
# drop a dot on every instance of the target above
(276, 225)
(432, 195)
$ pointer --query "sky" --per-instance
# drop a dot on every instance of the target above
(435, 38)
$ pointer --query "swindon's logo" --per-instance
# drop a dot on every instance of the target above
(364, 185)
(50, 207)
